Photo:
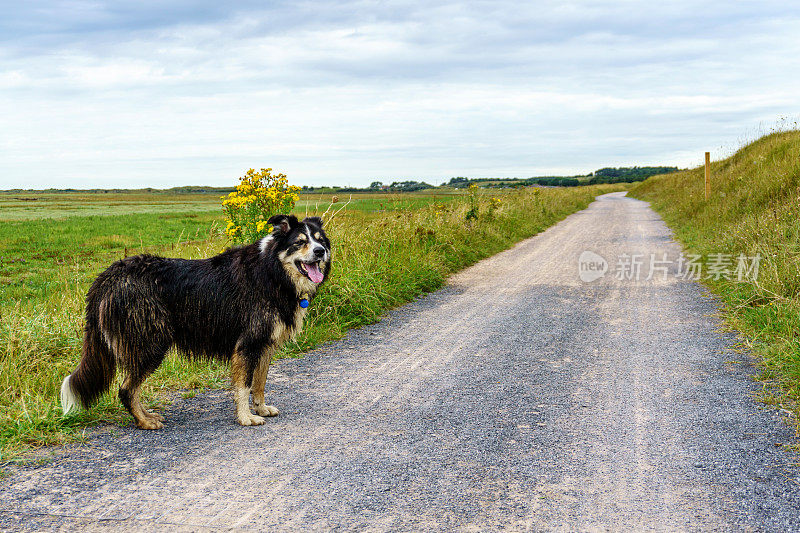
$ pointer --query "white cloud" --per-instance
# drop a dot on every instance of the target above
(95, 94)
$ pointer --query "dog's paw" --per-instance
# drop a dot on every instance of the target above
(154, 416)
(149, 423)
(250, 420)
(267, 410)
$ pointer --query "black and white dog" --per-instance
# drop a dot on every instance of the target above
(239, 306)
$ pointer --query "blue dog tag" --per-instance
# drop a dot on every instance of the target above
(303, 303)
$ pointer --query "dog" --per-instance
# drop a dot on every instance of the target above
(239, 306)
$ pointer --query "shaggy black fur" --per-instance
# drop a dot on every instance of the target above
(210, 308)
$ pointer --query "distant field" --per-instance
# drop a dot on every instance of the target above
(27, 206)
(36, 206)
(46, 238)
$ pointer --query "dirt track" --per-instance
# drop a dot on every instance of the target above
(518, 397)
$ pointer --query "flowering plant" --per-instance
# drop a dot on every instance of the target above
(258, 196)
(472, 191)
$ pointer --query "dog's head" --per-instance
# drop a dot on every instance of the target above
(302, 248)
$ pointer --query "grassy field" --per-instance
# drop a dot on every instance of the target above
(388, 249)
(754, 209)
(45, 238)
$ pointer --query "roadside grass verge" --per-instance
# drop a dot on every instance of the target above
(754, 209)
(383, 256)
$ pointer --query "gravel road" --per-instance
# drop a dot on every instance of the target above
(518, 397)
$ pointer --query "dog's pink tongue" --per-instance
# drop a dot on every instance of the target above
(314, 273)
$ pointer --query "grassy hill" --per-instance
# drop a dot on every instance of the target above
(754, 209)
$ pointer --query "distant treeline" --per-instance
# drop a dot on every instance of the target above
(556, 181)
(604, 175)
(508, 183)
(628, 174)
(378, 186)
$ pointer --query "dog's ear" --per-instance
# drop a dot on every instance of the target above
(313, 220)
(282, 223)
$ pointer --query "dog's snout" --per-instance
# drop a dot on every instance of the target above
(319, 251)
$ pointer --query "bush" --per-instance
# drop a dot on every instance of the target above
(258, 196)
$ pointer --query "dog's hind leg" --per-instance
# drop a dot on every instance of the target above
(129, 395)
(149, 359)
(242, 378)
(259, 382)
(136, 328)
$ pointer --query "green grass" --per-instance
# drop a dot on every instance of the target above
(26, 206)
(388, 249)
(38, 205)
(754, 209)
(48, 237)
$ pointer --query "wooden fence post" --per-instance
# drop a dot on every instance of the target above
(708, 175)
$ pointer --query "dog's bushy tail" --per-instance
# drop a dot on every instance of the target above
(94, 374)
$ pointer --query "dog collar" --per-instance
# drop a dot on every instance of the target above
(303, 302)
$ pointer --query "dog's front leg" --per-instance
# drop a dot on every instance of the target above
(260, 382)
(241, 376)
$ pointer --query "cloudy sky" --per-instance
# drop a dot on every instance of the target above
(164, 93)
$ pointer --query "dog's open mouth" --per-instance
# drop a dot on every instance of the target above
(310, 270)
